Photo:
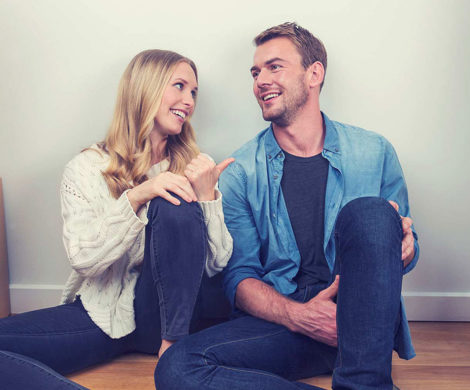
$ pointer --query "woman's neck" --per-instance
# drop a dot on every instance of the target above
(158, 146)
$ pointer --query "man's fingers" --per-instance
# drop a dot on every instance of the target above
(406, 252)
(394, 204)
(224, 164)
(332, 290)
(407, 245)
(407, 222)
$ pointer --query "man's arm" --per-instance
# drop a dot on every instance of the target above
(243, 275)
(393, 188)
(315, 318)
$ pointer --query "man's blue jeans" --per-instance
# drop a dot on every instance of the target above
(38, 347)
(249, 353)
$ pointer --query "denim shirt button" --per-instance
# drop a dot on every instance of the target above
(274, 215)
(275, 176)
(269, 156)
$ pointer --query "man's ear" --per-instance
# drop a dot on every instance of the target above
(316, 74)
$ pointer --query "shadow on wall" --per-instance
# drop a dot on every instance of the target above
(4, 284)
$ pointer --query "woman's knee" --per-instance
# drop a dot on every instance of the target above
(183, 215)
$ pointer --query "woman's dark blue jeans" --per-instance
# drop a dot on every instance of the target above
(38, 347)
(249, 353)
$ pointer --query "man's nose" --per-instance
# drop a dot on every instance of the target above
(264, 78)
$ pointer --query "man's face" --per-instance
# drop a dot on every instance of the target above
(279, 80)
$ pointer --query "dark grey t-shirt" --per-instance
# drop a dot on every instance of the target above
(303, 186)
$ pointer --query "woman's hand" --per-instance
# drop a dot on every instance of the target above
(203, 174)
(159, 186)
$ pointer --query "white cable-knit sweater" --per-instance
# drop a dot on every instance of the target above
(104, 240)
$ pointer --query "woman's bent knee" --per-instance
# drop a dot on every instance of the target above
(184, 214)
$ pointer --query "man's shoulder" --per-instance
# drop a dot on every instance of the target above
(359, 141)
(357, 134)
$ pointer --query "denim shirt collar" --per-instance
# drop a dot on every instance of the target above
(271, 145)
(331, 143)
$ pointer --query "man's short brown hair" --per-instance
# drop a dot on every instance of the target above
(311, 49)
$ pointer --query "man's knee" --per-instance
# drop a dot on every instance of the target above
(166, 373)
(368, 216)
(173, 369)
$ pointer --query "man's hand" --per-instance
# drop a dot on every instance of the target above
(317, 317)
(408, 242)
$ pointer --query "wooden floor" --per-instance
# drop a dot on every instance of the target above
(442, 363)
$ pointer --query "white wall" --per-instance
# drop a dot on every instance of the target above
(400, 68)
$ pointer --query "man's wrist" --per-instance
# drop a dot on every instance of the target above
(290, 318)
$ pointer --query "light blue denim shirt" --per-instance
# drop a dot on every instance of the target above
(361, 163)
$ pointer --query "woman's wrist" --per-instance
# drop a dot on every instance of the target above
(135, 199)
(206, 197)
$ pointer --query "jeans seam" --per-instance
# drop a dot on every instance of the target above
(204, 353)
(203, 228)
(253, 371)
(159, 285)
(204, 251)
(42, 369)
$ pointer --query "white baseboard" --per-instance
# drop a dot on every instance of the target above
(27, 297)
(428, 306)
(437, 306)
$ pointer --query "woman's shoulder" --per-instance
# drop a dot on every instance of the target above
(93, 159)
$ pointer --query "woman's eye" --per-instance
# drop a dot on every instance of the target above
(194, 94)
(179, 85)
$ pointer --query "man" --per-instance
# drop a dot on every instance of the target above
(308, 199)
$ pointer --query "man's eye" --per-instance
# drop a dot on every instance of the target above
(275, 67)
(254, 74)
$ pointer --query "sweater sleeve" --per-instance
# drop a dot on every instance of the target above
(97, 230)
(219, 240)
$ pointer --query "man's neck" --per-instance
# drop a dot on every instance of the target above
(303, 137)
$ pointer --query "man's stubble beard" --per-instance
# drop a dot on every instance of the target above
(286, 114)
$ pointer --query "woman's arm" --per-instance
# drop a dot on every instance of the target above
(219, 240)
(98, 229)
(203, 173)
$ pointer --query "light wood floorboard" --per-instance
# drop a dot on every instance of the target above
(442, 363)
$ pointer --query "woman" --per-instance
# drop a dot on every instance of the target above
(142, 220)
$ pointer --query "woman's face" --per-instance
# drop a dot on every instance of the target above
(177, 101)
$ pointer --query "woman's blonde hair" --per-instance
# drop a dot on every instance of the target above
(139, 97)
